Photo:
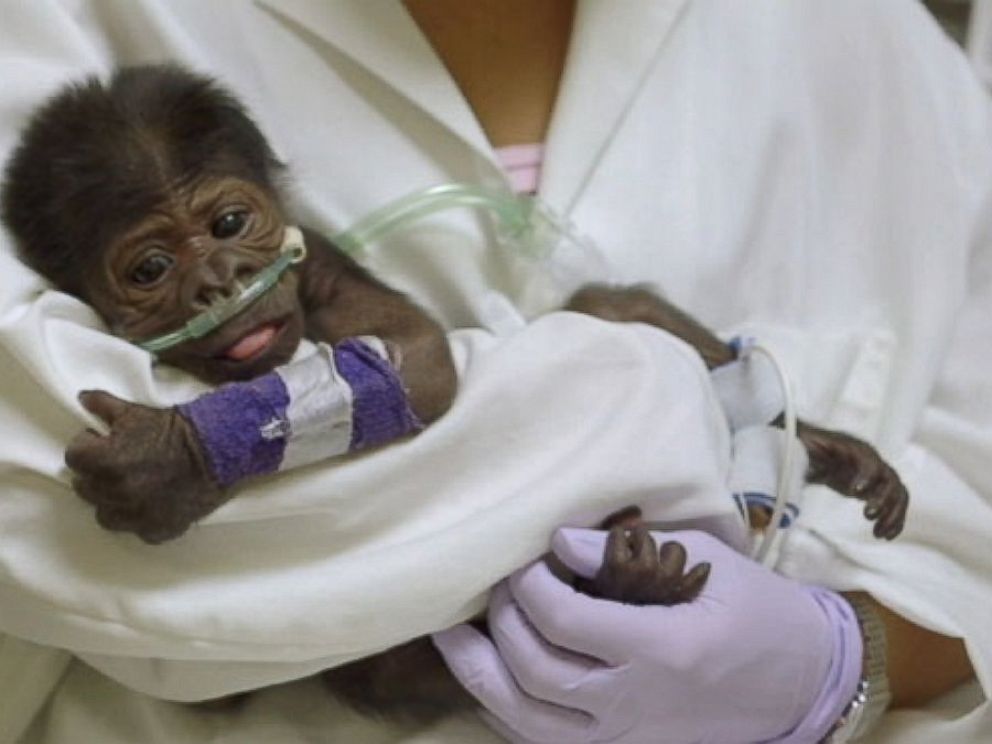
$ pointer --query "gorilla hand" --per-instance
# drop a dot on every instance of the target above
(148, 475)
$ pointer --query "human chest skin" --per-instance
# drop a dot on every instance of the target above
(506, 57)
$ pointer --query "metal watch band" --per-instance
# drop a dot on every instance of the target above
(873, 695)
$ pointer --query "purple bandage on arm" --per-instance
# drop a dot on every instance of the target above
(242, 427)
(380, 408)
(339, 400)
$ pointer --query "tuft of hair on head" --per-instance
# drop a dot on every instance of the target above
(97, 157)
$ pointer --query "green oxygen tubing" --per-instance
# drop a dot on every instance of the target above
(291, 252)
(522, 221)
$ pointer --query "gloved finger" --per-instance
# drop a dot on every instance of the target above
(598, 628)
(103, 405)
(502, 729)
(543, 670)
(582, 550)
(477, 665)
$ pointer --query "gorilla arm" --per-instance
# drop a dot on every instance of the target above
(341, 300)
(150, 475)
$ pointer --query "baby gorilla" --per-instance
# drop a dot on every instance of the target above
(154, 196)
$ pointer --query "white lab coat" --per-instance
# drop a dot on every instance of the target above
(815, 173)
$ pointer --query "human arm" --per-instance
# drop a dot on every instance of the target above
(732, 658)
(922, 664)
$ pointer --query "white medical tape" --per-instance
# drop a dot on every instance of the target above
(319, 410)
(757, 457)
(749, 390)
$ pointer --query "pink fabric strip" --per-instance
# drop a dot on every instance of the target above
(522, 164)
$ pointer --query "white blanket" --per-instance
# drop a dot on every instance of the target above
(563, 421)
(820, 167)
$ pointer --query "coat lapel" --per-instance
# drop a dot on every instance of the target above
(381, 36)
(613, 46)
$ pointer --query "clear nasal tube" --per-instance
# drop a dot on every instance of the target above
(523, 223)
(292, 251)
(514, 214)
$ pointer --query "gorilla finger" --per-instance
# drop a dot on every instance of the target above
(887, 523)
(865, 481)
(642, 545)
(891, 524)
(617, 548)
(156, 534)
(694, 581)
(877, 503)
(104, 490)
(102, 404)
(626, 517)
(672, 557)
(886, 499)
(87, 489)
(88, 451)
(117, 519)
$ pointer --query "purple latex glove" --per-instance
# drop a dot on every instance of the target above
(755, 658)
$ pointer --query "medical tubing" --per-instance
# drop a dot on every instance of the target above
(249, 428)
(293, 251)
(513, 212)
(788, 454)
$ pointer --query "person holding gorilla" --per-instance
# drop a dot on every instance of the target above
(191, 214)
(566, 667)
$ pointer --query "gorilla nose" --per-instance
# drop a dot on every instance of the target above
(217, 277)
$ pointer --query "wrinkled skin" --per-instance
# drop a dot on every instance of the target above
(854, 468)
(149, 451)
(636, 571)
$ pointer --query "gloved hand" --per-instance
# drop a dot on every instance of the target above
(755, 658)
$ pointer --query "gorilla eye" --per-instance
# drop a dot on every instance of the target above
(230, 224)
(151, 269)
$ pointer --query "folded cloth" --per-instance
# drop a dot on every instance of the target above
(562, 422)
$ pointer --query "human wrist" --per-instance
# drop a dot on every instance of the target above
(873, 695)
(841, 682)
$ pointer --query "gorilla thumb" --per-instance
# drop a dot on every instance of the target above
(103, 405)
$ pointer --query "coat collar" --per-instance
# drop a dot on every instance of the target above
(613, 45)
(619, 41)
(382, 37)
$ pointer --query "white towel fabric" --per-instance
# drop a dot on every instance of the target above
(820, 170)
(564, 421)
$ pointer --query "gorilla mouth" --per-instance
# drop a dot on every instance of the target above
(254, 343)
